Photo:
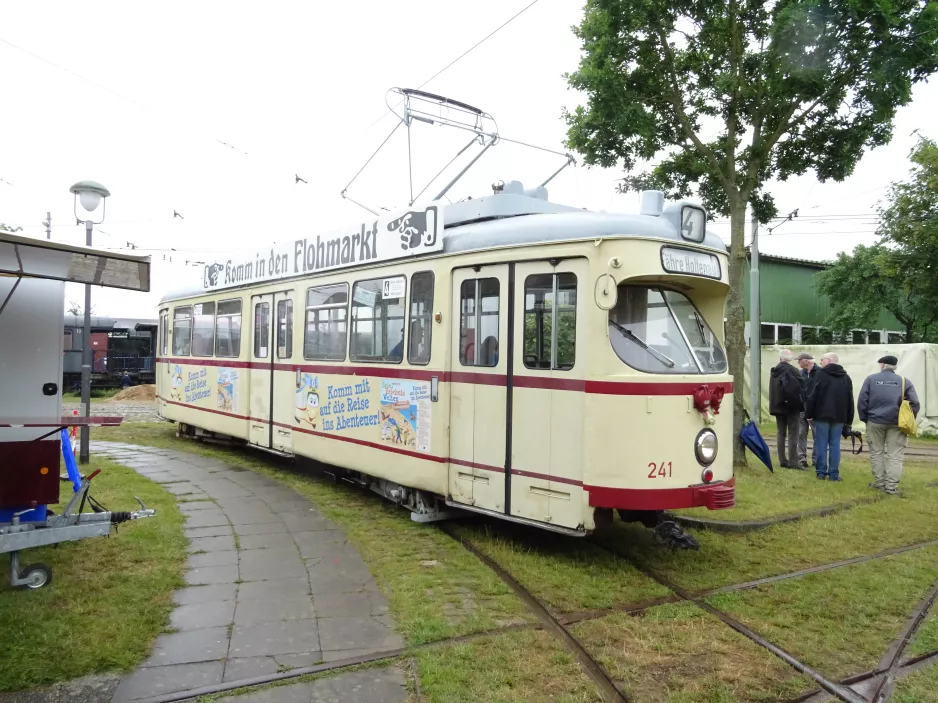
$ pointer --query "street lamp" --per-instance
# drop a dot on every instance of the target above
(89, 194)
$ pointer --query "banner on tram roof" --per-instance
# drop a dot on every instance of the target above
(398, 235)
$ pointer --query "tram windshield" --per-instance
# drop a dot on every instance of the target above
(660, 331)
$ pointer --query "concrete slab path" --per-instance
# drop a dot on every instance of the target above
(271, 585)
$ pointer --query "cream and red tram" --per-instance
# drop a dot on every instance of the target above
(503, 355)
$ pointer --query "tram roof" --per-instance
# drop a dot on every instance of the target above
(509, 219)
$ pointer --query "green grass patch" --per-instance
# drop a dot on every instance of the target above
(918, 687)
(109, 597)
(565, 573)
(435, 588)
(96, 394)
(516, 667)
(760, 494)
(926, 639)
(678, 652)
(865, 605)
(725, 558)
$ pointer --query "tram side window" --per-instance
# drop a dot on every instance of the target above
(421, 317)
(261, 330)
(164, 333)
(284, 329)
(228, 329)
(326, 322)
(182, 330)
(549, 301)
(478, 322)
(203, 330)
(378, 320)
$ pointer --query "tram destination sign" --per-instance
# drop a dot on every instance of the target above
(397, 235)
(688, 261)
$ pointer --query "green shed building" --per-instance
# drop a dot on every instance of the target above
(793, 312)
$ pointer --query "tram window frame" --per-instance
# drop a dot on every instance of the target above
(182, 313)
(424, 319)
(285, 329)
(262, 323)
(379, 302)
(329, 323)
(554, 363)
(164, 332)
(203, 347)
(477, 313)
(234, 341)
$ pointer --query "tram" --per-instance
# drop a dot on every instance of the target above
(503, 355)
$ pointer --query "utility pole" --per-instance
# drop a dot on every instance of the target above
(86, 360)
(755, 329)
(48, 224)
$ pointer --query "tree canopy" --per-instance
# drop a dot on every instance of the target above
(900, 273)
(726, 95)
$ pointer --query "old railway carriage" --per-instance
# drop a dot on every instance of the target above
(506, 355)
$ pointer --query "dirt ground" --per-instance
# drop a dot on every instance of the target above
(147, 392)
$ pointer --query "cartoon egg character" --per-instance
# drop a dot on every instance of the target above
(176, 385)
(312, 408)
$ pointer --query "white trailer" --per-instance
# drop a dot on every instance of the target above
(33, 274)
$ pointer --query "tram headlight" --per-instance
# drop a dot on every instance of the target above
(705, 447)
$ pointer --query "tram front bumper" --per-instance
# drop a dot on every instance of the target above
(714, 496)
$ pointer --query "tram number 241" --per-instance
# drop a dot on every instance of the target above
(663, 469)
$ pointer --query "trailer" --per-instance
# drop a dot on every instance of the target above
(33, 274)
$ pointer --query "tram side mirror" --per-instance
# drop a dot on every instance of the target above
(49, 389)
(434, 388)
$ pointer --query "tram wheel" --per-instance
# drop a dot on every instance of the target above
(37, 575)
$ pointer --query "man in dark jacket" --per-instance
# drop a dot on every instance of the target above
(831, 408)
(880, 398)
(785, 404)
(809, 371)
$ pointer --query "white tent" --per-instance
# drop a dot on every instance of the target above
(917, 362)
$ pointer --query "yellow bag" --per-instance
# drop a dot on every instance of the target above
(907, 422)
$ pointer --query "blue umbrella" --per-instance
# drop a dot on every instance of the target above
(749, 434)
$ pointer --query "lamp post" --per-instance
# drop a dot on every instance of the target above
(90, 195)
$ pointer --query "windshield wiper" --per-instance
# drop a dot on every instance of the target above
(628, 334)
(703, 336)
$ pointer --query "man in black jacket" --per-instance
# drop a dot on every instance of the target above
(809, 371)
(831, 407)
(785, 404)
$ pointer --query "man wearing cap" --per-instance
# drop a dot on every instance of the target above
(808, 381)
(878, 407)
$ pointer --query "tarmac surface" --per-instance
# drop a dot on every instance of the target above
(272, 585)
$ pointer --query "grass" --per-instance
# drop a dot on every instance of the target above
(768, 429)
(865, 605)
(725, 559)
(435, 588)
(96, 394)
(919, 687)
(926, 639)
(677, 652)
(760, 494)
(565, 573)
(517, 667)
(109, 598)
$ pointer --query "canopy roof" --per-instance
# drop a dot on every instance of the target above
(25, 257)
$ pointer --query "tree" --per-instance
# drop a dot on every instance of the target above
(9, 228)
(899, 273)
(788, 87)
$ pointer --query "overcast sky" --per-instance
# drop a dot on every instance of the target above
(298, 88)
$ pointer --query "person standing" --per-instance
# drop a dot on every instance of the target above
(809, 371)
(878, 406)
(831, 407)
(785, 404)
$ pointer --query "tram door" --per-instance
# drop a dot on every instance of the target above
(547, 391)
(478, 387)
(262, 369)
(284, 378)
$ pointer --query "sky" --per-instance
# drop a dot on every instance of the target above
(211, 109)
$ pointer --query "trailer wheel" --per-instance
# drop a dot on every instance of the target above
(38, 576)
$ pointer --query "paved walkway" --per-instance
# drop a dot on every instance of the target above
(272, 585)
(133, 411)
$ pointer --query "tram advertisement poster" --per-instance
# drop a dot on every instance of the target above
(405, 414)
(227, 390)
(398, 235)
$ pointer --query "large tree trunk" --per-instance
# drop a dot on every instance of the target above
(735, 323)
